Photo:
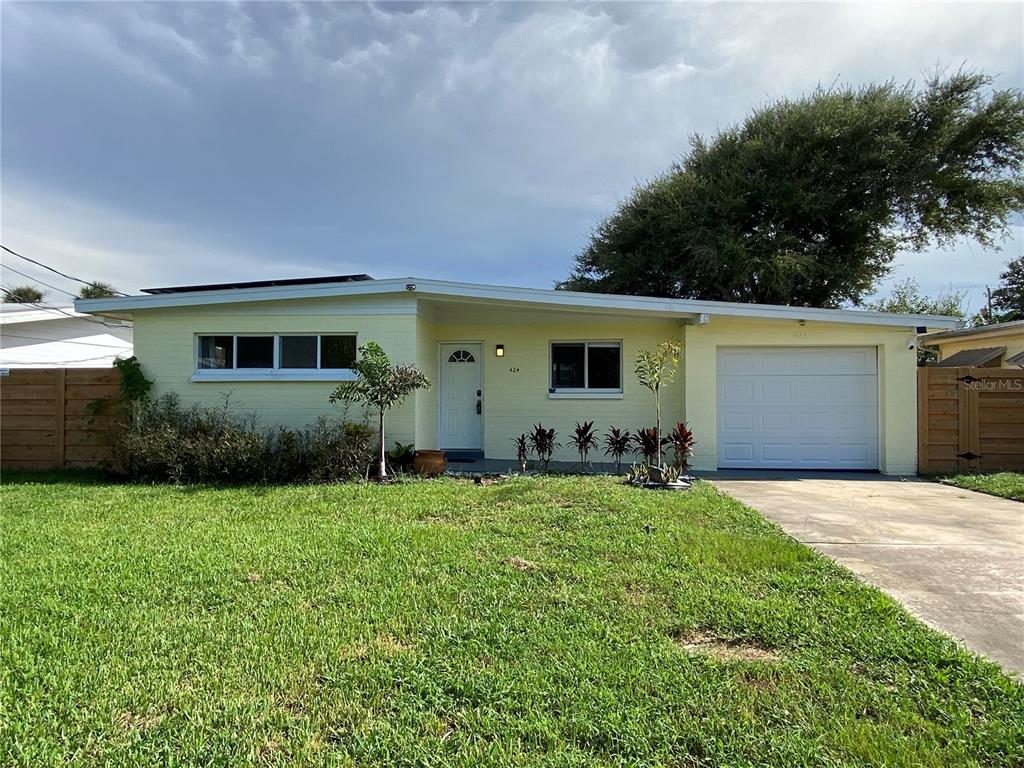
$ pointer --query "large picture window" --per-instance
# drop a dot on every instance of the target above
(586, 366)
(220, 356)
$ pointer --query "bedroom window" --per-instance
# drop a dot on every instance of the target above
(586, 367)
(277, 356)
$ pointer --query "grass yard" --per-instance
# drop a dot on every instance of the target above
(532, 622)
(1009, 485)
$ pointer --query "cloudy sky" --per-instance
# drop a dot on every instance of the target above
(194, 142)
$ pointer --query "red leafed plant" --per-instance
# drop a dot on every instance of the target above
(616, 444)
(648, 443)
(543, 443)
(682, 442)
(522, 451)
(584, 438)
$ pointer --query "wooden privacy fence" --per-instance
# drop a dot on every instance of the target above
(58, 417)
(970, 419)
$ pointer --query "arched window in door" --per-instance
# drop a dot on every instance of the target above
(461, 356)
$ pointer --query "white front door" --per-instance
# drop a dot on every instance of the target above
(461, 424)
(798, 407)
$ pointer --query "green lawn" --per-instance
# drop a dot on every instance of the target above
(550, 622)
(1010, 485)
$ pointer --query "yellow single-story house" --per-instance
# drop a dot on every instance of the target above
(761, 386)
(1000, 345)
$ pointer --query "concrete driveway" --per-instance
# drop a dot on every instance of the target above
(954, 558)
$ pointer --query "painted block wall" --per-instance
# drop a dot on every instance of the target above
(516, 385)
(897, 376)
(426, 402)
(165, 346)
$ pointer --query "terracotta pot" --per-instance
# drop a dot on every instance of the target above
(430, 463)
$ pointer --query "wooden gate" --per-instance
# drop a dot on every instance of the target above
(51, 418)
(970, 419)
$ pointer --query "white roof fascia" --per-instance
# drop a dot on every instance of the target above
(441, 289)
(981, 331)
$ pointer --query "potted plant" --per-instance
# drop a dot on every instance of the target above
(430, 463)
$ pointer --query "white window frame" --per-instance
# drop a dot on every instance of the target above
(277, 373)
(584, 393)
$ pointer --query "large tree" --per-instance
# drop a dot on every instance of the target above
(1008, 298)
(810, 199)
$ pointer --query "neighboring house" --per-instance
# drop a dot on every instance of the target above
(761, 385)
(1000, 345)
(56, 336)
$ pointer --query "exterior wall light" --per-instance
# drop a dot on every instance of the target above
(499, 350)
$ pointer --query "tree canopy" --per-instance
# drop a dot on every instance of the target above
(23, 294)
(98, 290)
(1008, 298)
(810, 199)
(906, 298)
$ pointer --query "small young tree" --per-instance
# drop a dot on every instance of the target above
(656, 368)
(23, 294)
(380, 385)
(98, 290)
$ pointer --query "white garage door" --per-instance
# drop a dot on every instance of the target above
(798, 407)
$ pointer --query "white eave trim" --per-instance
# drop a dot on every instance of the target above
(982, 331)
(688, 310)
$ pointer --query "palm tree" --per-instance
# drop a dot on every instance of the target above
(23, 294)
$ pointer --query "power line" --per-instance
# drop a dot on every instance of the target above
(55, 271)
(37, 280)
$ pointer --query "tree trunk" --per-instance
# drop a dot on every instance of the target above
(657, 422)
(382, 471)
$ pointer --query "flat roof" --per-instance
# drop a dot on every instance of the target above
(258, 284)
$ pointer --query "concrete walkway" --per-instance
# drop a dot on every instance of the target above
(954, 558)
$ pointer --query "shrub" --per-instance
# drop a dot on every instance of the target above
(165, 442)
(400, 457)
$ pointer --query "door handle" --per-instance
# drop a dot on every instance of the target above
(479, 407)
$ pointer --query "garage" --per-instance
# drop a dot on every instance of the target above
(797, 407)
